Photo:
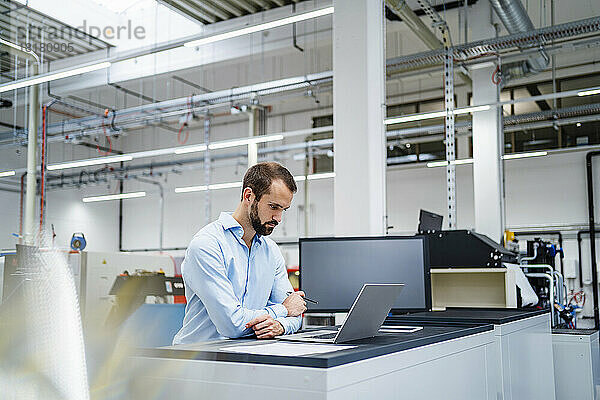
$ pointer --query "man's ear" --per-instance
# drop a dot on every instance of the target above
(247, 194)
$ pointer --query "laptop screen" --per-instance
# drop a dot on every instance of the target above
(333, 270)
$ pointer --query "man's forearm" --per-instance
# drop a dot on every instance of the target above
(290, 324)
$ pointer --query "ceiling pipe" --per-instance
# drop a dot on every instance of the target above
(516, 20)
(32, 136)
(401, 9)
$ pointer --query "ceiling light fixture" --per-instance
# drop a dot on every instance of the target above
(52, 76)
(434, 164)
(108, 197)
(589, 92)
(260, 27)
(180, 150)
(4, 174)
(190, 149)
(524, 155)
(89, 161)
(244, 142)
(462, 161)
(230, 185)
(435, 114)
(188, 189)
(313, 177)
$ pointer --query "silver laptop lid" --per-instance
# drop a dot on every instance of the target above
(369, 310)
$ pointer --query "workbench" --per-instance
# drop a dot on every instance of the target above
(449, 362)
(576, 364)
(523, 341)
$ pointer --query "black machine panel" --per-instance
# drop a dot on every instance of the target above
(463, 248)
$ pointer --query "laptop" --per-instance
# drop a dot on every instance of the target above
(369, 310)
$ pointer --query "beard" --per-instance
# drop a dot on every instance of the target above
(260, 228)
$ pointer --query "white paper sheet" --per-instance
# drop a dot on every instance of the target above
(286, 348)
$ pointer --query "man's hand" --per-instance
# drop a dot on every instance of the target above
(295, 304)
(265, 327)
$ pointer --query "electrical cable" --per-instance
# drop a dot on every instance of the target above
(497, 76)
(109, 151)
(185, 123)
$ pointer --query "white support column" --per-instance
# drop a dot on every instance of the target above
(488, 140)
(488, 174)
(359, 110)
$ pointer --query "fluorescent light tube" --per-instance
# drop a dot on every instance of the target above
(470, 160)
(312, 177)
(114, 197)
(415, 117)
(434, 164)
(201, 188)
(230, 185)
(52, 76)
(462, 161)
(435, 114)
(90, 161)
(525, 155)
(190, 149)
(467, 110)
(259, 27)
(7, 173)
(188, 189)
(161, 152)
(244, 142)
(589, 92)
(321, 176)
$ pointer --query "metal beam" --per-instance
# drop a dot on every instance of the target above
(478, 48)
(208, 7)
(533, 90)
(245, 5)
(227, 6)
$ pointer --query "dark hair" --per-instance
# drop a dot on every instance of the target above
(259, 178)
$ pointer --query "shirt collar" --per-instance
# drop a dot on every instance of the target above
(230, 223)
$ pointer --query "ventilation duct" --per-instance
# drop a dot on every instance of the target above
(514, 17)
(401, 9)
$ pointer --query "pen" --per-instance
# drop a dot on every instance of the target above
(305, 298)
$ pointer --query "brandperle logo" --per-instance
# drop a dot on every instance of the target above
(42, 38)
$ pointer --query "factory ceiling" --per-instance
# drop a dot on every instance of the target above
(211, 11)
(46, 36)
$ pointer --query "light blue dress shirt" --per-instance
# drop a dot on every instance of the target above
(227, 285)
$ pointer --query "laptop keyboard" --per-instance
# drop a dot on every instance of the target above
(325, 336)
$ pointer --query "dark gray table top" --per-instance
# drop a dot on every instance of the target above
(366, 348)
(496, 316)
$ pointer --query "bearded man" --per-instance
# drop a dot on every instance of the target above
(236, 281)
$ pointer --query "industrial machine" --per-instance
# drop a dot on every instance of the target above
(466, 249)
(131, 290)
(93, 275)
(539, 265)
